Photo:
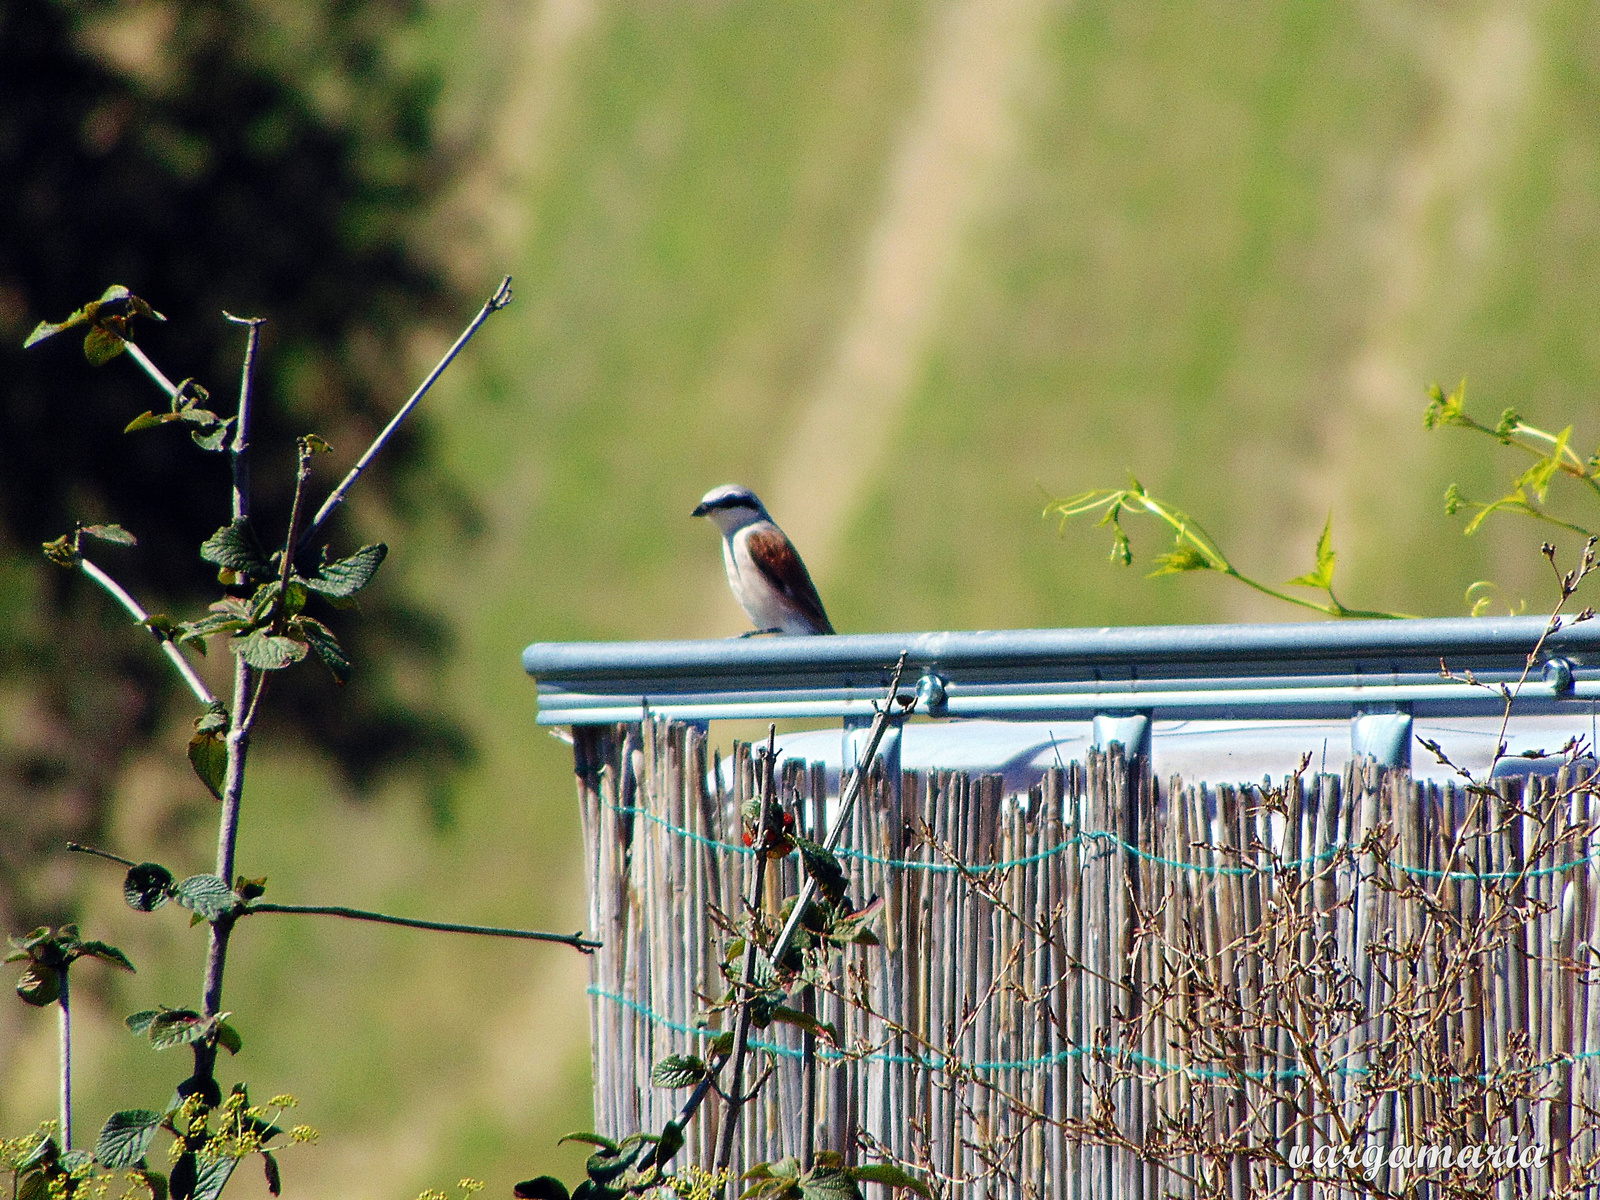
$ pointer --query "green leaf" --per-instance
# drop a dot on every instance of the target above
(678, 1071)
(176, 1027)
(35, 1186)
(208, 755)
(125, 1138)
(764, 1007)
(227, 621)
(205, 895)
(1121, 548)
(784, 1168)
(106, 954)
(146, 420)
(603, 1166)
(190, 394)
(722, 1044)
(545, 1187)
(39, 985)
(823, 867)
(235, 547)
(1537, 477)
(250, 889)
(592, 1139)
(269, 1165)
(805, 1021)
(164, 627)
(345, 577)
(183, 1177)
(213, 437)
(1445, 410)
(852, 928)
(1320, 576)
(44, 1153)
(829, 1183)
(102, 345)
(320, 638)
(114, 309)
(669, 1145)
(212, 1176)
(111, 533)
(213, 720)
(228, 1038)
(140, 1022)
(268, 651)
(891, 1176)
(201, 1177)
(1182, 557)
(147, 887)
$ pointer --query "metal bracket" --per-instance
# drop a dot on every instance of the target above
(1383, 736)
(1132, 731)
(1558, 674)
(933, 695)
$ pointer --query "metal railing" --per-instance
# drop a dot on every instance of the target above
(1331, 670)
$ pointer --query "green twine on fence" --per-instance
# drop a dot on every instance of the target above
(1077, 840)
(938, 1062)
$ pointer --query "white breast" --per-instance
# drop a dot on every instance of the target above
(767, 607)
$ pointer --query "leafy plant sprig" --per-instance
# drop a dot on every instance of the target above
(1529, 493)
(828, 1179)
(262, 616)
(1196, 550)
(763, 962)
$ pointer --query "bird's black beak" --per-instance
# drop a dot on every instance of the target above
(700, 510)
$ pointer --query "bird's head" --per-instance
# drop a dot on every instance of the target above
(731, 507)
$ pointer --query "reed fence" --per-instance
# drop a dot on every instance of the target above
(1112, 987)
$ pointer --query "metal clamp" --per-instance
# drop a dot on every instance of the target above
(933, 695)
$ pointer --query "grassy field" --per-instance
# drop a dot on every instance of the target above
(907, 270)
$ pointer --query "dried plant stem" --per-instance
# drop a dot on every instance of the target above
(286, 567)
(80, 848)
(575, 940)
(137, 612)
(858, 777)
(241, 717)
(758, 875)
(239, 451)
(781, 945)
(64, 1004)
(150, 369)
(501, 298)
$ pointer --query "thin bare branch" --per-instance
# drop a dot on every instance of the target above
(576, 940)
(150, 369)
(239, 450)
(80, 848)
(137, 612)
(501, 298)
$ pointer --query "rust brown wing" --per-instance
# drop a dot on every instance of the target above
(775, 557)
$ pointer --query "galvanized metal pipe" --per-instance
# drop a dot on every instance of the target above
(1194, 671)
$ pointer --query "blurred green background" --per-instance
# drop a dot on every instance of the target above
(907, 269)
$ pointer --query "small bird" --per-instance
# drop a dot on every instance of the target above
(766, 575)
